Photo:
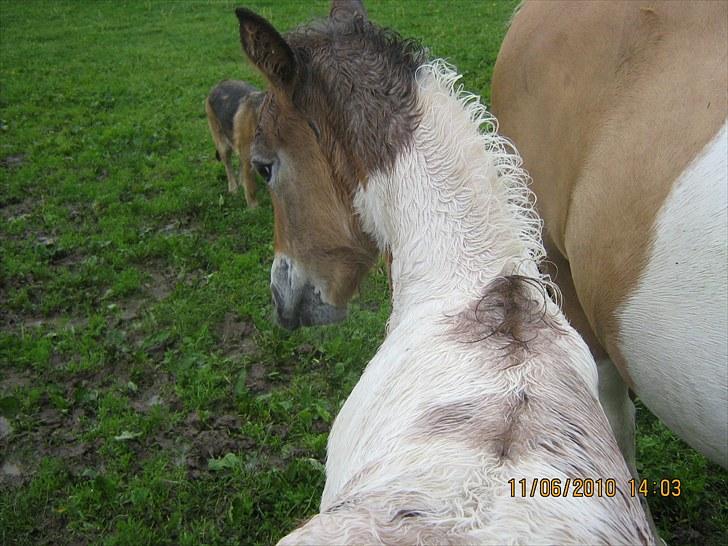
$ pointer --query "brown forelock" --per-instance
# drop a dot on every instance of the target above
(356, 83)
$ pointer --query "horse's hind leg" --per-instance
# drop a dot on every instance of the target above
(620, 411)
(222, 146)
(225, 157)
(613, 391)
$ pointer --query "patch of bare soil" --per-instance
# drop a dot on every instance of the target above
(11, 474)
(12, 379)
(50, 433)
(55, 322)
(159, 393)
(12, 320)
(161, 284)
(198, 441)
(180, 226)
(262, 378)
(6, 429)
(68, 259)
(17, 210)
(12, 161)
(58, 433)
(236, 336)
(131, 309)
(257, 380)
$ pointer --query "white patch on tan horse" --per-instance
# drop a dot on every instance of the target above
(677, 317)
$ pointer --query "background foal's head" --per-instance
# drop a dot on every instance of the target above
(341, 104)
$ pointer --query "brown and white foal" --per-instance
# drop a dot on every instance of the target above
(480, 382)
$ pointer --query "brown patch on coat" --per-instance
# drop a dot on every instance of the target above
(504, 432)
(232, 109)
(510, 314)
(509, 320)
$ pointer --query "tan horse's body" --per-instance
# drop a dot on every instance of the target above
(619, 112)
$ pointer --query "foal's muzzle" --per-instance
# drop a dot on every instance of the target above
(296, 299)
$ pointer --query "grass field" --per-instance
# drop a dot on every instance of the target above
(145, 397)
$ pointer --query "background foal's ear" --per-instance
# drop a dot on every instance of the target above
(266, 49)
(347, 9)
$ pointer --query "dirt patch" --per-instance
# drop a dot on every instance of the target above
(6, 428)
(58, 431)
(183, 226)
(13, 379)
(52, 433)
(11, 474)
(67, 258)
(12, 161)
(257, 380)
(17, 210)
(131, 308)
(157, 394)
(55, 322)
(199, 441)
(261, 378)
(147, 402)
(160, 286)
(236, 336)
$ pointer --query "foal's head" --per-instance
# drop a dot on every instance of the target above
(341, 104)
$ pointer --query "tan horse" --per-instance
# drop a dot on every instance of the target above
(619, 110)
(477, 421)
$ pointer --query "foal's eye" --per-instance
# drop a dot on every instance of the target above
(263, 169)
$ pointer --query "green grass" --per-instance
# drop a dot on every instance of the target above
(149, 398)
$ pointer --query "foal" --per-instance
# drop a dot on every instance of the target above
(232, 114)
(481, 387)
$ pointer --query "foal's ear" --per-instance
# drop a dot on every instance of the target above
(266, 49)
(347, 9)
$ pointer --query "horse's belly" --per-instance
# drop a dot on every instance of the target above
(674, 326)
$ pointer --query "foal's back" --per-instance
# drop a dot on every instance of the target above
(453, 418)
(225, 100)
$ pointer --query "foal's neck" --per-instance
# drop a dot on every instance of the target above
(454, 211)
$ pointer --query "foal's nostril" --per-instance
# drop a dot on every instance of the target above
(277, 298)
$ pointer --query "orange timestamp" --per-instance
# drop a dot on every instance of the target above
(589, 487)
(655, 488)
(568, 487)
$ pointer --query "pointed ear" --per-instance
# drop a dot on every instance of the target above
(267, 49)
(347, 9)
